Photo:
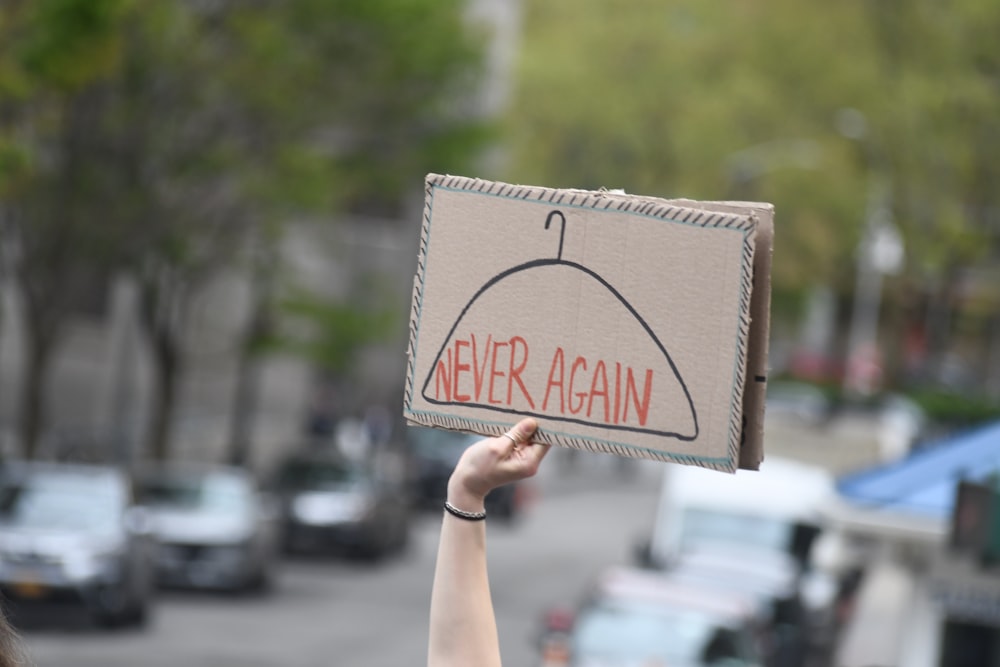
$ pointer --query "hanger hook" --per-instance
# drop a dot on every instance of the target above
(562, 228)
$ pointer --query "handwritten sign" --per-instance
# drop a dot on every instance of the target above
(624, 324)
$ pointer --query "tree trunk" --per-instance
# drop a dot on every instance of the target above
(39, 341)
(939, 325)
(245, 401)
(33, 397)
(166, 372)
(894, 324)
(246, 396)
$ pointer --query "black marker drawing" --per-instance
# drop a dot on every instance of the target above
(560, 266)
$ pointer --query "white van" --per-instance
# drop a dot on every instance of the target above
(753, 530)
(774, 509)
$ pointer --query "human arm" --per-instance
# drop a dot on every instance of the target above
(463, 628)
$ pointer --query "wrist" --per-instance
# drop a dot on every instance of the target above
(464, 499)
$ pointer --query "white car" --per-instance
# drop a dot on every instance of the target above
(636, 618)
(755, 529)
(215, 528)
(71, 533)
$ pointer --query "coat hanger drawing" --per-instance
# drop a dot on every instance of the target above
(559, 268)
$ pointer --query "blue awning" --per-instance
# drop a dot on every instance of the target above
(924, 482)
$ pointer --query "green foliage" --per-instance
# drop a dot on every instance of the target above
(331, 333)
(67, 44)
(157, 136)
(708, 100)
(293, 107)
(957, 410)
(943, 408)
(14, 163)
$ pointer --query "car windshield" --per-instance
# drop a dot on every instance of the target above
(210, 493)
(61, 503)
(653, 634)
(320, 475)
(706, 526)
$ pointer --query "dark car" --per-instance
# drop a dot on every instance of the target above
(632, 617)
(332, 502)
(215, 528)
(71, 534)
(434, 453)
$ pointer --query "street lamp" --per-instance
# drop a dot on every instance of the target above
(879, 253)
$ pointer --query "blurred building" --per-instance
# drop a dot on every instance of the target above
(99, 386)
(925, 592)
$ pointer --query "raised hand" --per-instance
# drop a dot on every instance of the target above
(493, 462)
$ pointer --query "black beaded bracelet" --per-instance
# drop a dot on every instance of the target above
(462, 514)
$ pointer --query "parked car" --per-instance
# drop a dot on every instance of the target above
(434, 454)
(634, 617)
(215, 528)
(331, 502)
(770, 579)
(778, 508)
(72, 534)
(764, 575)
(755, 530)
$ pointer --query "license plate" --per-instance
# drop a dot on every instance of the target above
(28, 586)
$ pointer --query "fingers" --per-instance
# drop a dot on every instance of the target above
(519, 446)
(521, 432)
(537, 451)
(492, 462)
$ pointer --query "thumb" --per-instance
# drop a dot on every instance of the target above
(536, 451)
(523, 430)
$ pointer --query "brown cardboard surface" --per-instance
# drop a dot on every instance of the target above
(623, 324)
(755, 390)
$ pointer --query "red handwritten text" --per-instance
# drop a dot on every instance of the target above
(492, 372)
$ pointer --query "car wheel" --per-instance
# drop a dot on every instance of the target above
(260, 582)
(371, 551)
(119, 613)
(403, 538)
(374, 553)
(138, 615)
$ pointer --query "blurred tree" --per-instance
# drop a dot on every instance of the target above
(186, 129)
(381, 92)
(938, 123)
(55, 60)
(715, 100)
(331, 332)
(710, 101)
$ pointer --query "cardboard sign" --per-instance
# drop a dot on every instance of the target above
(624, 324)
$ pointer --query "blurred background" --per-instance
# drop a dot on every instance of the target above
(209, 220)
